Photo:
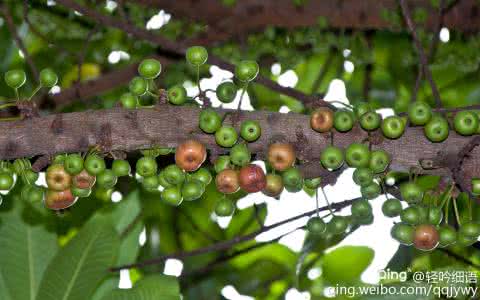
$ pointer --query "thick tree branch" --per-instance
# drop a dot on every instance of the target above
(180, 49)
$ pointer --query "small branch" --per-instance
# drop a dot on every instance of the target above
(13, 31)
(420, 51)
(228, 243)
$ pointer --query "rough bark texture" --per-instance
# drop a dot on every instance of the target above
(166, 125)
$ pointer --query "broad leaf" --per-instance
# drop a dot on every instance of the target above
(80, 266)
(346, 264)
(154, 287)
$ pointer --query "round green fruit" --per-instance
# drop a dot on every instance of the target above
(250, 130)
(313, 183)
(371, 191)
(419, 113)
(392, 208)
(192, 190)
(240, 155)
(292, 179)
(246, 70)
(138, 86)
(15, 78)
(362, 176)
(338, 225)
(274, 185)
(81, 193)
(129, 101)
(370, 121)
(343, 120)
(177, 95)
(173, 174)
(411, 192)
(316, 226)
(106, 179)
(73, 164)
(94, 164)
(121, 167)
(209, 121)
(202, 175)
(393, 127)
(332, 158)
(150, 183)
(466, 122)
(403, 233)
(226, 92)
(149, 68)
(437, 129)
(470, 230)
(48, 78)
(197, 55)
(224, 208)
(361, 209)
(357, 155)
(172, 195)
(435, 215)
(447, 236)
(226, 136)
(146, 166)
(379, 161)
(162, 181)
(361, 108)
(411, 215)
(222, 163)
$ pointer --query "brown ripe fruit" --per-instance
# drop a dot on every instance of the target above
(281, 156)
(57, 178)
(252, 178)
(426, 237)
(190, 155)
(83, 180)
(57, 200)
(227, 181)
(321, 120)
(274, 186)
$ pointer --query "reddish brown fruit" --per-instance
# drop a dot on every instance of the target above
(227, 181)
(252, 179)
(57, 178)
(426, 237)
(190, 155)
(57, 200)
(274, 185)
(281, 156)
(83, 180)
(321, 119)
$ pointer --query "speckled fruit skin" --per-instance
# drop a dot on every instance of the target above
(227, 181)
(83, 180)
(321, 119)
(426, 237)
(274, 185)
(252, 179)
(281, 156)
(57, 178)
(57, 200)
(190, 155)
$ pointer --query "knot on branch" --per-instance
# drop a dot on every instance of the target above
(461, 174)
(28, 109)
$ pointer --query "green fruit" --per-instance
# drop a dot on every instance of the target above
(202, 175)
(197, 55)
(104, 194)
(447, 236)
(411, 192)
(15, 78)
(419, 113)
(361, 108)
(106, 179)
(224, 208)
(33, 193)
(361, 209)
(465, 241)
(94, 164)
(437, 129)
(338, 225)
(403, 233)
(59, 159)
(177, 95)
(357, 155)
(162, 181)
(343, 120)
(209, 121)
(393, 127)
(150, 183)
(470, 230)
(48, 78)
(367, 220)
(81, 193)
(332, 158)
(246, 70)
(411, 215)
(435, 215)
(370, 120)
(222, 163)
(250, 131)
(146, 166)
(73, 164)
(174, 175)
(466, 122)
(423, 211)
(172, 195)
(316, 226)
(192, 190)
(476, 186)
(392, 208)
(363, 176)
(149, 68)
(226, 136)
(312, 183)
(121, 167)
(379, 161)
(292, 179)
(29, 176)
(371, 191)
(240, 155)
(129, 101)
(138, 86)
(226, 92)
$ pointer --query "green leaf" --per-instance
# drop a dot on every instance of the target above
(346, 264)
(80, 266)
(25, 253)
(154, 287)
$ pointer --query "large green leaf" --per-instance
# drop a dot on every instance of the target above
(80, 266)
(154, 287)
(25, 253)
(346, 264)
